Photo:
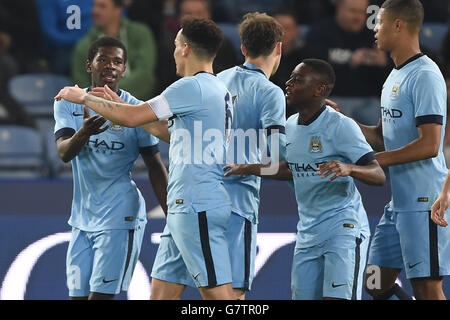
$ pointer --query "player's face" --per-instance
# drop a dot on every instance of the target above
(107, 67)
(301, 86)
(178, 54)
(384, 31)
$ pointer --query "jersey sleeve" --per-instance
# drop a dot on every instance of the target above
(351, 143)
(180, 98)
(63, 113)
(148, 144)
(429, 98)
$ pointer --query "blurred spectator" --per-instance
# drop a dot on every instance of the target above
(139, 79)
(61, 27)
(349, 46)
(20, 21)
(446, 73)
(226, 57)
(148, 12)
(311, 11)
(293, 50)
(436, 11)
(11, 112)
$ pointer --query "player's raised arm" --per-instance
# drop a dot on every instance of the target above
(123, 114)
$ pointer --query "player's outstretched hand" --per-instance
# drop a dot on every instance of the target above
(339, 168)
(237, 169)
(334, 105)
(73, 94)
(106, 93)
(93, 125)
(438, 210)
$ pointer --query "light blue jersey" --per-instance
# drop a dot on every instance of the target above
(326, 208)
(104, 196)
(200, 114)
(258, 104)
(414, 94)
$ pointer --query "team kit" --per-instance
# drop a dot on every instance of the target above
(226, 132)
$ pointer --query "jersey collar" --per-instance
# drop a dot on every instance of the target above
(313, 118)
(417, 56)
(205, 72)
(252, 67)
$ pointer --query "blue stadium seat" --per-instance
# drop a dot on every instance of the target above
(36, 91)
(21, 152)
(432, 35)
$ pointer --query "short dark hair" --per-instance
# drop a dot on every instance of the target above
(325, 72)
(106, 42)
(260, 34)
(411, 11)
(203, 35)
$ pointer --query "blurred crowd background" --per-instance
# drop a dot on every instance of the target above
(44, 44)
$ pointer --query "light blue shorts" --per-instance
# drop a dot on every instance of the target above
(241, 236)
(333, 269)
(102, 261)
(411, 240)
(194, 249)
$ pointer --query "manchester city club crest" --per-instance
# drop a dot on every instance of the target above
(115, 127)
(395, 88)
(316, 145)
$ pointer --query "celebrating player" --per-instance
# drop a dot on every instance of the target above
(193, 245)
(108, 211)
(325, 151)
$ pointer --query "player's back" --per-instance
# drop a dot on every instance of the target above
(325, 208)
(414, 94)
(197, 143)
(105, 196)
(257, 104)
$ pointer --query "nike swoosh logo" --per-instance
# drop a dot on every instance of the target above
(108, 281)
(77, 114)
(412, 266)
(338, 285)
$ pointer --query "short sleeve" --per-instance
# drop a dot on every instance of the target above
(180, 98)
(64, 114)
(429, 98)
(351, 143)
(273, 110)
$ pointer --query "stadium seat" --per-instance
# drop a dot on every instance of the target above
(21, 153)
(432, 35)
(57, 167)
(36, 91)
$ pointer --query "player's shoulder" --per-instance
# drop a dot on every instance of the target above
(128, 97)
(426, 69)
(338, 120)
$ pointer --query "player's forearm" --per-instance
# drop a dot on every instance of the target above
(158, 129)
(415, 151)
(373, 135)
(371, 174)
(122, 114)
(276, 171)
(69, 148)
(159, 180)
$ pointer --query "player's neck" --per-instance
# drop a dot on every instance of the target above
(195, 66)
(264, 63)
(405, 51)
(306, 113)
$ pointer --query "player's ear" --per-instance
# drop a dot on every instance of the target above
(88, 66)
(279, 48)
(244, 52)
(186, 49)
